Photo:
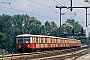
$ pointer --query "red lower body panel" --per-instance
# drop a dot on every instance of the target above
(44, 45)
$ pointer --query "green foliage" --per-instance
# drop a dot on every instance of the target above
(71, 24)
(2, 40)
(77, 27)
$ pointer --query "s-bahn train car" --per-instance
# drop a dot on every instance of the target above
(28, 43)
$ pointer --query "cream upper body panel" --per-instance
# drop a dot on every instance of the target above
(48, 39)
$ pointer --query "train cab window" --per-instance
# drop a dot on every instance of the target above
(20, 40)
(26, 40)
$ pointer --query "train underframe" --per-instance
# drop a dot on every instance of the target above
(28, 50)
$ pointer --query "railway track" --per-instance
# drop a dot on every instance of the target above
(66, 56)
(73, 53)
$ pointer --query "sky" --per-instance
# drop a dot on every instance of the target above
(45, 10)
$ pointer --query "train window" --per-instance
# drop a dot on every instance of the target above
(32, 39)
(20, 40)
(67, 41)
(51, 40)
(60, 40)
(26, 40)
(45, 40)
(41, 40)
(56, 40)
(64, 41)
(36, 39)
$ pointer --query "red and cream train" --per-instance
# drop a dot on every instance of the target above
(28, 43)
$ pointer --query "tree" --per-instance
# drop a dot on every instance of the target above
(69, 25)
(2, 40)
(47, 28)
(33, 26)
(76, 26)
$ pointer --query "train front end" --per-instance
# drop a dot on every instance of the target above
(23, 44)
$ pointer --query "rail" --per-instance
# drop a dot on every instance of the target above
(44, 54)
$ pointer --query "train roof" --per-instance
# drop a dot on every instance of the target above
(28, 35)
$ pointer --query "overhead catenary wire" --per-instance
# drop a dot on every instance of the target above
(65, 1)
(5, 2)
(28, 13)
(76, 15)
(63, 5)
(73, 15)
(38, 8)
(43, 5)
(35, 6)
(39, 4)
(65, 17)
(87, 1)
